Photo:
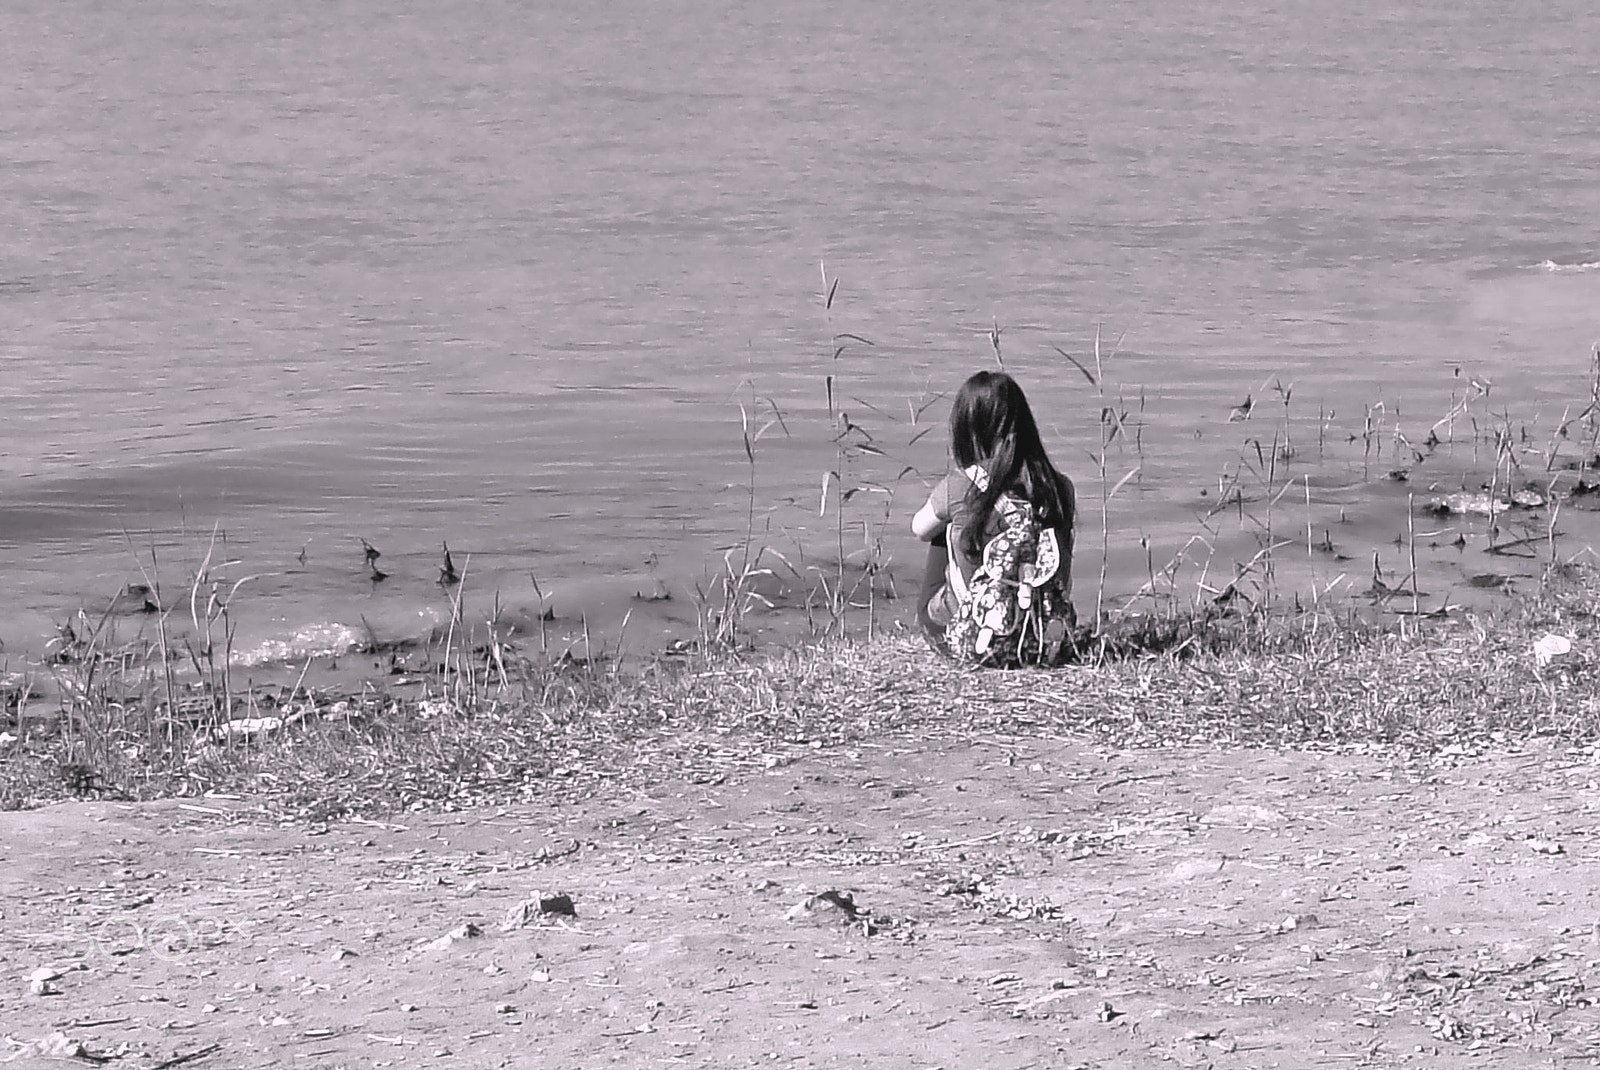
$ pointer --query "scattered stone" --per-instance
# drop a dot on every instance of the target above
(1545, 847)
(246, 728)
(51, 1046)
(1043, 1004)
(42, 982)
(825, 907)
(1190, 868)
(430, 708)
(967, 885)
(1464, 504)
(540, 906)
(560, 903)
(1549, 648)
(135, 598)
(81, 778)
(1479, 503)
(465, 931)
(655, 592)
(1243, 817)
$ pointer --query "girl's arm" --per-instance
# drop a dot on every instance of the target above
(927, 523)
(934, 516)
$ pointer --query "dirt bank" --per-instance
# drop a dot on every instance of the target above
(1020, 903)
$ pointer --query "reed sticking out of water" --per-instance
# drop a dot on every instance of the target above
(726, 599)
(216, 672)
(1113, 429)
(453, 665)
(1411, 551)
(853, 578)
(1254, 484)
(1371, 442)
(852, 441)
(1591, 415)
(152, 583)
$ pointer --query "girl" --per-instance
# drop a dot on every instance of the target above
(1000, 523)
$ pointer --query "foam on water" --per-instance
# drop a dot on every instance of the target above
(310, 641)
(1567, 269)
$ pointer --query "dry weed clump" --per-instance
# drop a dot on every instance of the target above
(1418, 683)
(564, 728)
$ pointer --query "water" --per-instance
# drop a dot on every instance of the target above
(282, 277)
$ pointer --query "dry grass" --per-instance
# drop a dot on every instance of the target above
(561, 729)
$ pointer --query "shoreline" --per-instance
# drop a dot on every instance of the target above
(649, 613)
(478, 723)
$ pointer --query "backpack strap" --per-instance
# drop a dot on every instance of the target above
(953, 579)
(952, 573)
(1046, 563)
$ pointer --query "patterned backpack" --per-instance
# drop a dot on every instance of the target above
(1015, 610)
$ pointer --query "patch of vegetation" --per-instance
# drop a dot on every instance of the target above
(491, 724)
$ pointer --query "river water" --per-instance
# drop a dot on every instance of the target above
(278, 278)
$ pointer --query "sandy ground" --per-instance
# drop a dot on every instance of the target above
(1019, 903)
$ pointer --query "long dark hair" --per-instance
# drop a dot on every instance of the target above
(992, 426)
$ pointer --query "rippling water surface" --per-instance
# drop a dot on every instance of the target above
(502, 275)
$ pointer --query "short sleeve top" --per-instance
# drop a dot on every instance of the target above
(949, 502)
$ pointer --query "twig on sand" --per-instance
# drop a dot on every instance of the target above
(1108, 785)
(178, 1060)
(960, 843)
(1505, 548)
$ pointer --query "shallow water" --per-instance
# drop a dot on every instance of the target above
(502, 275)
